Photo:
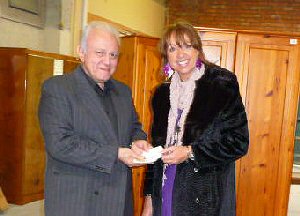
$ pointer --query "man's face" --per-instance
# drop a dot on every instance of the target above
(100, 59)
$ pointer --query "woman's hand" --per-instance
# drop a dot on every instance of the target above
(147, 209)
(175, 154)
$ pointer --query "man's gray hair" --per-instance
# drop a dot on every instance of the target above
(98, 25)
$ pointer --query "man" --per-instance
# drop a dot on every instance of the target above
(89, 122)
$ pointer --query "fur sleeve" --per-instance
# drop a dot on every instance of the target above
(226, 137)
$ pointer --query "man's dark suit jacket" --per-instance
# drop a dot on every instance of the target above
(83, 174)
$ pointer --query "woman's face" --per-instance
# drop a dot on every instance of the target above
(182, 57)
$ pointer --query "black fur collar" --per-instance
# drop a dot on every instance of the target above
(211, 94)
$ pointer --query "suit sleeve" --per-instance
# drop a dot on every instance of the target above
(227, 138)
(62, 142)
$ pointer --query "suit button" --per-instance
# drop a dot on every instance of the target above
(96, 192)
(197, 200)
(196, 170)
(99, 167)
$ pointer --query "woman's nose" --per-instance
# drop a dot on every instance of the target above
(179, 52)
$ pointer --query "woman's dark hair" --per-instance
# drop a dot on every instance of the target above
(181, 30)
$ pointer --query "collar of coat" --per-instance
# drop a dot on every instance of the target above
(216, 88)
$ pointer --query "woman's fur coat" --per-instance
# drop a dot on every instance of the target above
(216, 128)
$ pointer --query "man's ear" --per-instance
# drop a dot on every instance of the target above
(80, 53)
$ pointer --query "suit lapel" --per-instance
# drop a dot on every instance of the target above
(118, 104)
(89, 99)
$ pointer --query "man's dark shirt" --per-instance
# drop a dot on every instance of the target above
(104, 96)
(105, 99)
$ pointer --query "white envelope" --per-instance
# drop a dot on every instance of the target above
(150, 156)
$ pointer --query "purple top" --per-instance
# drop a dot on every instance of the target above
(169, 175)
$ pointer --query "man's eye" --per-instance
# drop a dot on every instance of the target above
(114, 55)
(100, 53)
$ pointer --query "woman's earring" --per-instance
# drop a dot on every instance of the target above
(198, 64)
(168, 70)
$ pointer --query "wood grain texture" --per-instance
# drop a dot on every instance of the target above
(219, 47)
(22, 156)
(268, 72)
(139, 67)
(267, 68)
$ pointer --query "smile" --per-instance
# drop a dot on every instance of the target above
(183, 62)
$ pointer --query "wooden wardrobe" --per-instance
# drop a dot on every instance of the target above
(268, 69)
(22, 156)
(140, 68)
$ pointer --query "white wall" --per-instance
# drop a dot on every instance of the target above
(147, 16)
(19, 35)
(55, 37)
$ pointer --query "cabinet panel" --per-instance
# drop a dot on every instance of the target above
(12, 91)
(139, 67)
(219, 47)
(148, 76)
(268, 74)
(22, 155)
(39, 69)
(127, 61)
(267, 67)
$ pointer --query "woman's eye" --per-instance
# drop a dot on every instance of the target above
(172, 49)
(188, 46)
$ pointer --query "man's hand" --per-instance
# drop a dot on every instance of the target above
(127, 155)
(139, 146)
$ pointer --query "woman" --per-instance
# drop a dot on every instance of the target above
(201, 122)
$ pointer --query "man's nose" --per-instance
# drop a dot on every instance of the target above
(106, 59)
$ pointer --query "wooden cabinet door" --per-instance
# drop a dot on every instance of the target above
(219, 47)
(39, 69)
(127, 62)
(139, 68)
(147, 77)
(22, 154)
(12, 93)
(268, 71)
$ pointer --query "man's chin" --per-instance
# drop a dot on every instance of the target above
(104, 80)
